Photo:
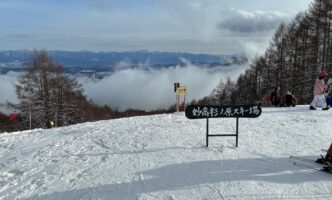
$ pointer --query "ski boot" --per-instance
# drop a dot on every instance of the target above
(312, 108)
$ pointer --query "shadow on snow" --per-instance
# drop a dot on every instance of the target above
(183, 175)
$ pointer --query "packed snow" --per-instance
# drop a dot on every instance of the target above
(164, 157)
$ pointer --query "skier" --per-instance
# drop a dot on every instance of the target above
(319, 97)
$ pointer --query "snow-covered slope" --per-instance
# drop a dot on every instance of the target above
(164, 157)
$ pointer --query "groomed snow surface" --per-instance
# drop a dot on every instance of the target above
(164, 157)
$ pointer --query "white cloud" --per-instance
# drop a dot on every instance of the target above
(247, 22)
(7, 89)
(153, 88)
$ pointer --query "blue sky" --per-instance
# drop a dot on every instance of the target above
(198, 26)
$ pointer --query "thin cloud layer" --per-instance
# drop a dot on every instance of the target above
(198, 26)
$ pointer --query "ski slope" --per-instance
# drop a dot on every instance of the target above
(164, 157)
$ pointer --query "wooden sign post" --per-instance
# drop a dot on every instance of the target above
(180, 90)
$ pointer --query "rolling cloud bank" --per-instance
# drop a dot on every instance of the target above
(153, 89)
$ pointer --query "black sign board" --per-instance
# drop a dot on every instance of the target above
(235, 111)
(231, 111)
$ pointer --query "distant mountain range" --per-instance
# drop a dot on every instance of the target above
(74, 61)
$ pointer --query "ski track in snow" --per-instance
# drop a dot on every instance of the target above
(164, 157)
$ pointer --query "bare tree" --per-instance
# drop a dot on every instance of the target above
(46, 95)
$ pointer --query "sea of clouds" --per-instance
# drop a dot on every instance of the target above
(140, 88)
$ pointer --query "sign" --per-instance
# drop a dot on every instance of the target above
(236, 111)
(182, 90)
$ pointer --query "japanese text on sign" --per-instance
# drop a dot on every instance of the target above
(245, 111)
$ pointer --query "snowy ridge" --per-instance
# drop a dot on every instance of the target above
(164, 157)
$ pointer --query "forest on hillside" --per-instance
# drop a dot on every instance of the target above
(297, 52)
